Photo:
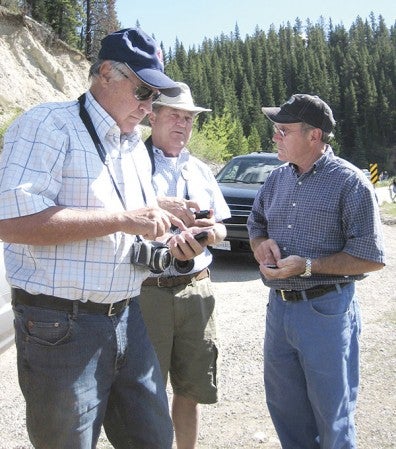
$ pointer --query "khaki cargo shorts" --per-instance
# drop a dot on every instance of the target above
(181, 324)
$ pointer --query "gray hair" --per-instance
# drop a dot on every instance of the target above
(95, 68)
(326, 137)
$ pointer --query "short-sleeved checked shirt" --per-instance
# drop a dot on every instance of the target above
(49, 159)
(331, 208)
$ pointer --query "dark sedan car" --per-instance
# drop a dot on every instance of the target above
(239, 180)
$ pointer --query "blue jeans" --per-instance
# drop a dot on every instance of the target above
(311, 369)
(78, 371)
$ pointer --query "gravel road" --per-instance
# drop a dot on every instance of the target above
(240, 420)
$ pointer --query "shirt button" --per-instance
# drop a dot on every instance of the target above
(294, 204)
(289, 226)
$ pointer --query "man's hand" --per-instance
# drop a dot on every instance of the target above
(285, 268)
(150, 222)
(266, 251)
(180, 207)
(184, 246)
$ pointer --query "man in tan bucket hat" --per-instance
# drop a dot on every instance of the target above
(178, 305)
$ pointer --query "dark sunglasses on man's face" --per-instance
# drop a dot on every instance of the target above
(141, 92)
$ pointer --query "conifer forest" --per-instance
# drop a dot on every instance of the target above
(353, 70)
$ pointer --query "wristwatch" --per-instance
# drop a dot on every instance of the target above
(308, 265)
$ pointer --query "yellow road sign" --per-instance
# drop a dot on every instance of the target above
(374, 177)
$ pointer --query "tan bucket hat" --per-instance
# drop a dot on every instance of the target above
(183, 101)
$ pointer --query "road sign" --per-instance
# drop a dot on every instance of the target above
(374, 177)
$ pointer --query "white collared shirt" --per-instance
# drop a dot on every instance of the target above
(187, 176)
(49, 159)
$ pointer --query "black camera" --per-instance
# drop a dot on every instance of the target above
(153, 255)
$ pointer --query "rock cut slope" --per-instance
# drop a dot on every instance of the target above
(35, 67)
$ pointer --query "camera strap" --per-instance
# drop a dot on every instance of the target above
(85, 117)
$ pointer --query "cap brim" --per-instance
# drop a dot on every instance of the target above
(157, 79)
(278, 116)
(187, 108)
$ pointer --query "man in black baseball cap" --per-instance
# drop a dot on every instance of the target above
(315, 220)
(303, 108)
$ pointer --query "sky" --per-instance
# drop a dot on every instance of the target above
(190, 22)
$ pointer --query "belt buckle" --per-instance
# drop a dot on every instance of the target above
(159, 282)
(282, 292)
(111, 311)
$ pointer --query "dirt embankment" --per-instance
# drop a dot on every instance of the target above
(35, 67)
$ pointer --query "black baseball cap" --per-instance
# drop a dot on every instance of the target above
(142, 55)
(303, 108)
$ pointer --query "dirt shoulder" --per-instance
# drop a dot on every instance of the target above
(240, 419)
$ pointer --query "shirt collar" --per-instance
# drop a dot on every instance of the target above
(319, 164)
(105, 125)
(181, 158)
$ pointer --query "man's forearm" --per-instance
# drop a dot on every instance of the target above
(58, 225)
(343, 264)
(254, 243)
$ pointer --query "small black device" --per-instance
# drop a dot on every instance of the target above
(151, 254)
(185, 266)
(202, 214)
(201, 236)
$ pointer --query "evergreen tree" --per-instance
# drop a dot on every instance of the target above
(353, 70)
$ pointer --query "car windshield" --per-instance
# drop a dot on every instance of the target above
(247, 170)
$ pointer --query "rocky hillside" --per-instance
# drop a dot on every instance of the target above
(35, 67)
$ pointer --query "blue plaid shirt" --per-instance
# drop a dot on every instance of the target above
(49, 159)
(330, 209)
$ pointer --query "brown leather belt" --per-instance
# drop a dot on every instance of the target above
(173, 281)
(310, 293)
(20, 296)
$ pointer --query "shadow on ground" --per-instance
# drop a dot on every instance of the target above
(230, 266)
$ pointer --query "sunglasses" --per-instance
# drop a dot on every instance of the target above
(141, 92)
(283, 132)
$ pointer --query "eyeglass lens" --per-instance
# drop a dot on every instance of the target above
(279, 131)
(142, 93)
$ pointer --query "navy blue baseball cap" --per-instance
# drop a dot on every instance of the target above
(142, 55)
(303, 108)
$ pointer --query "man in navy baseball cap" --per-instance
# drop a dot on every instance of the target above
(98, 190)
(142, 55)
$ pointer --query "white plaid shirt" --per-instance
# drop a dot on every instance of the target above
(49, 159)
(188, 176)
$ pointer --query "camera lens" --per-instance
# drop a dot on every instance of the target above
(161, 260)
(183, 266)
